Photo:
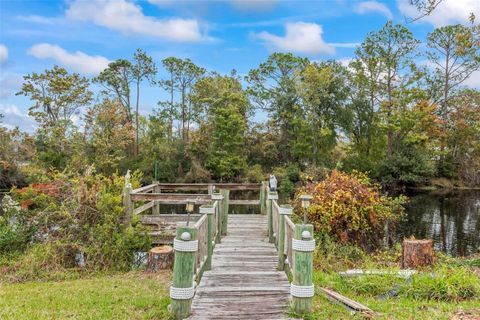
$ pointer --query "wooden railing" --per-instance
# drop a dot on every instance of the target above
(207, 232)
(295, 246)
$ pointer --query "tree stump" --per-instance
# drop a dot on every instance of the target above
(417, 253)
(160, 258)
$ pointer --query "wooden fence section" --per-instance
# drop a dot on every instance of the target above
(295, 246)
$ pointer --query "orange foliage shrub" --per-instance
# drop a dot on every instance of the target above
(351, 208)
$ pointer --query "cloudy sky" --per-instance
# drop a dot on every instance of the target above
(84, 35)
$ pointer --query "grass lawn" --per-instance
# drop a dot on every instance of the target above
(133, 295)
(368, 290)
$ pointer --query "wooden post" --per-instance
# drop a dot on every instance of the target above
(220, 207)
(272, 195)
(417, 253)
(127, 204)
(209, 211)
(263, 197)
(284, 210)
(226, 196)
(156, 206)
(302, 269)
(183, 270)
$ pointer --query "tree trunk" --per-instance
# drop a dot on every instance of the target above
(160, 258)
(417, 253)
(136, 117)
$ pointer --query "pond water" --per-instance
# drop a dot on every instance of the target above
(450, 218)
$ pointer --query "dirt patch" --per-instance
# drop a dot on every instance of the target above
(467, 315)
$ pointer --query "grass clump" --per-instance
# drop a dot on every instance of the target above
(445, 284)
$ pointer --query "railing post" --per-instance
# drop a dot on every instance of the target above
(156, 206)
(302, 289)
(210, 211)
(272, 195)
(226, 197)
(219, 197)
(127, 203)
(263, 197)
(183, 288)
(285, 210)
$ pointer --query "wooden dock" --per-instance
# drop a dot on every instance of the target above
(244, 282)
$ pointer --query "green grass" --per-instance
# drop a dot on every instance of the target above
(133, 295)
(424, 297)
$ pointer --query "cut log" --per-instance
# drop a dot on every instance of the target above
(417, 253)
(160, 258)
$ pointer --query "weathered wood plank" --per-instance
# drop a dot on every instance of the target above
(146, 206)
(243, 282)
(205, 186)
(244, 202)
(172, 197)
(345, 301)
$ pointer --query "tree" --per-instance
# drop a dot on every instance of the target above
(455, 55)
(143, 68)
(108, 136)
(225, 105)
(273, 89)
(385, 60)
(424, 7)
(116, 80)
(57, 96)
(182, 77)
(464, 135)
(323, 91)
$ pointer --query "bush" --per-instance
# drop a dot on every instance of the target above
(351, 208)
(255, 173)
(85, 215)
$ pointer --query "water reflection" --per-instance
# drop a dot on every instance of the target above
(451, 219)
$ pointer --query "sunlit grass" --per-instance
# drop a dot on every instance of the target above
(133, 295)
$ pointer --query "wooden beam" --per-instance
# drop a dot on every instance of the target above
(205, 186)
(175, 197)
(145, 188)
(349, 303)
(244, 202)
(146, 206)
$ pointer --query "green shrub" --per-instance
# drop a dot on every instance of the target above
(86, 216)
(255, 173)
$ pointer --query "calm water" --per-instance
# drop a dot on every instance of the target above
(451, 219)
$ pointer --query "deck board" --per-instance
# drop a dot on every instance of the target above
(243, 282)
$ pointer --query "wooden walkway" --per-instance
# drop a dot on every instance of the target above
(244, 282)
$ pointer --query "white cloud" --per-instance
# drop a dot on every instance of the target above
(13, 117)
(373, 6)
(447, 12)
(345, 61)
(77, 61)
(344, 44)
(128, 17)
(474, 80)
(299, 37)
(3, 54)
(9, 84)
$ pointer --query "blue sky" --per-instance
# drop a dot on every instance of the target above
(84, 35)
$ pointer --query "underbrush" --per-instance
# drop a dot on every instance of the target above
(72, 226)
